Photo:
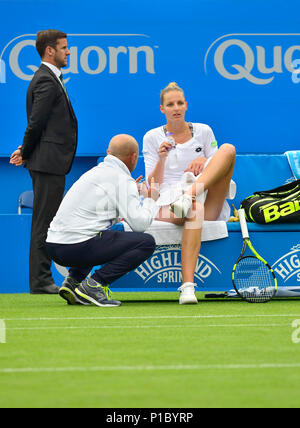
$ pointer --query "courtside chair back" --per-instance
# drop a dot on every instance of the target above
(25, 200)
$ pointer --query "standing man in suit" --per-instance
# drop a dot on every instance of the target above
(48, 150)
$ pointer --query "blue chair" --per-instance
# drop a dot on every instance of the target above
(25, 200)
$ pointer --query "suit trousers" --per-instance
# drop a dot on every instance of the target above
(48, 192)
(117, 252)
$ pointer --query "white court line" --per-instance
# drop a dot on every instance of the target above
(144, 326)
(151, 317)
(175, 367)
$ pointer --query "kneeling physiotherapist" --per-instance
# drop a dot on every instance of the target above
(80, 236)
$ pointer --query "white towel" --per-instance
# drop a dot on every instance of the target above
(294, 162)
(166, 233)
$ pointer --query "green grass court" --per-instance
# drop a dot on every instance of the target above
(150, 352)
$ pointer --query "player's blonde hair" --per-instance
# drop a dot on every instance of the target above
(171, 87)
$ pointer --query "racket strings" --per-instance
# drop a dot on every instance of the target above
(254, 280)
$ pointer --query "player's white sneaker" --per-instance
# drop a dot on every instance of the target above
(187, 294)
(181, 207)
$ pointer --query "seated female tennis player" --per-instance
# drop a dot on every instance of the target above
(194, 180)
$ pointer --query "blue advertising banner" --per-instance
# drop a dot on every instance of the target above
(238, 62)
(279, 245)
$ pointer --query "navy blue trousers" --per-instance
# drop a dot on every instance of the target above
(118, 252)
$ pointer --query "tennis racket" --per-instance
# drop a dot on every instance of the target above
(252, 277)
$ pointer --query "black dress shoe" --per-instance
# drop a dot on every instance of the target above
(47, 289)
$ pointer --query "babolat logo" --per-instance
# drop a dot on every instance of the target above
(91, 54)
(257, 58)
(164, 267)
(288, 266)
(276, 211)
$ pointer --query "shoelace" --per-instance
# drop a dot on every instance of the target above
(107, 291)
(105, 288)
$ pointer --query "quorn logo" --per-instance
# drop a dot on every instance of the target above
(256, 57)
(91, 54)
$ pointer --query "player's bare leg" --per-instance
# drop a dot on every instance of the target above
(214, 180)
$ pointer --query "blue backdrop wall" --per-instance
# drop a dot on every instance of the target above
(235, 60)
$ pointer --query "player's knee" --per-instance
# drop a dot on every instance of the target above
(229, 150)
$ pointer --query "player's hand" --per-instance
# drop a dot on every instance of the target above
(164, 149)
(196, 166)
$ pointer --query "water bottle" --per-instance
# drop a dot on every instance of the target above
(173, 154)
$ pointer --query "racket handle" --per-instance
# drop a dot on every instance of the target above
(243, 223)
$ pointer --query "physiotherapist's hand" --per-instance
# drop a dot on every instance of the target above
(139, 179)
(153, 191)
(164, 149)
(142, 189)
(196, 166)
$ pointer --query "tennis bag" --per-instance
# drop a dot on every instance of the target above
(279, 205)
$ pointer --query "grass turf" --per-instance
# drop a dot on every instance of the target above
(150, 352)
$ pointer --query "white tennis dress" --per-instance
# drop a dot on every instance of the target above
(203, 143)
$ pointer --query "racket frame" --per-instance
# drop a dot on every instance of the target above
(247, 243)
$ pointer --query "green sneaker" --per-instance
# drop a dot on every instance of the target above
(95, 293)
(67, 292)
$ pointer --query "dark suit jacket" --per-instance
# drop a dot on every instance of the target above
(50, 139)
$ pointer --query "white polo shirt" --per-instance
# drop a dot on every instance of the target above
(175, 180)
(97, 200)
(203, 143)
